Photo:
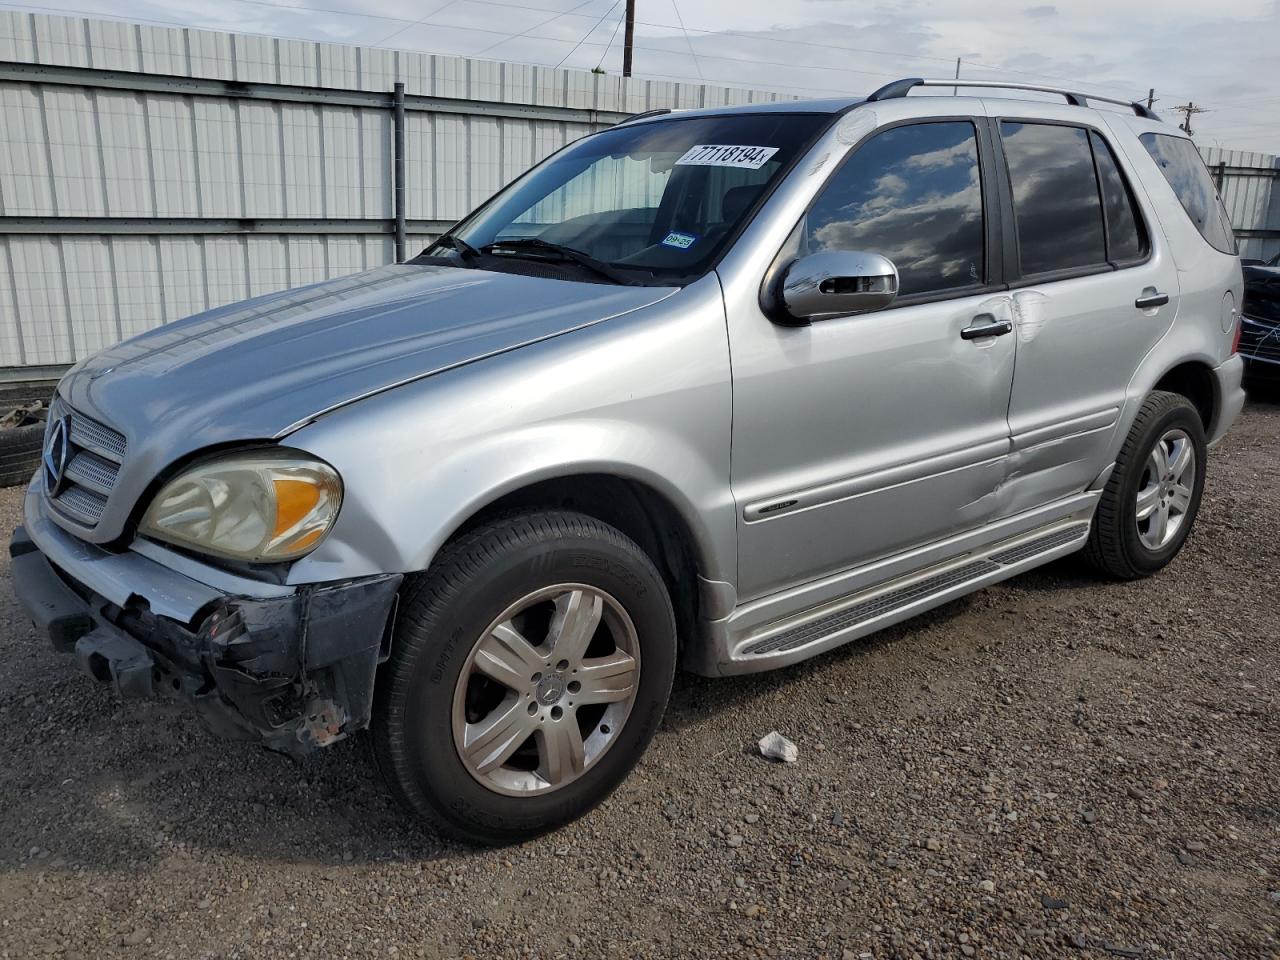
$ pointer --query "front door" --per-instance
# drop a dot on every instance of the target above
(860, 436)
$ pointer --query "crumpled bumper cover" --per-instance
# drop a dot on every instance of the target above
(292, 672)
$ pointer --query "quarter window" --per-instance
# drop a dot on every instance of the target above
(1055, 197)
(912, 194)
(1180, 162)
(1126, 239)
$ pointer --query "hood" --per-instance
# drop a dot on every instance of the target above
(262, 368)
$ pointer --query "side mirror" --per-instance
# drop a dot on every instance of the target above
(838, 282)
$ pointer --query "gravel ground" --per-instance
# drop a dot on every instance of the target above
(1051, 767)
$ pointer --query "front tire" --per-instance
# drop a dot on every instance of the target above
(530, 667)
(1153, 495)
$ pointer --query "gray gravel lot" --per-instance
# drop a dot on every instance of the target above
(1052, 767)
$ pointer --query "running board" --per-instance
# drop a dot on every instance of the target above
(856, 616)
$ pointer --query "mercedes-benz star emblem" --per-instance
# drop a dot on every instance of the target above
(56, 451)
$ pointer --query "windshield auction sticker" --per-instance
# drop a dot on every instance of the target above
(681, 241)
(726, 155)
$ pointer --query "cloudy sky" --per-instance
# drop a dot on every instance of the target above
(1224, 56)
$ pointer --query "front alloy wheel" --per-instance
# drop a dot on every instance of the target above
(529, 669)
(546, 690)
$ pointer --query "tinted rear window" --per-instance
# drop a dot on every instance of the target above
(1055, 197)
(1180, 162)
(1126, 239)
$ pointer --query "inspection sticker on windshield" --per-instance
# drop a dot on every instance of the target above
(682, 241)
(726, 155)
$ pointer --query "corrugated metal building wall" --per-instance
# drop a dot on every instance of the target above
(147, 173)
(1250, 187)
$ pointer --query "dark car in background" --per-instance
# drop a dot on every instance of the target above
(1260, 326)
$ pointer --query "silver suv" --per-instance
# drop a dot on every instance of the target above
(722, 388)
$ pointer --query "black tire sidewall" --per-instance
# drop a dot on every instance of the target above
(433, 774)
(1143, 559)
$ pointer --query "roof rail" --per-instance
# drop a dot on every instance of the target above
(900, 88)
(648, 113)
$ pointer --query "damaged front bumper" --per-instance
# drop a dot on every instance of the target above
(290, 667)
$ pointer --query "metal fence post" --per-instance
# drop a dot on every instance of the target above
(398, 172)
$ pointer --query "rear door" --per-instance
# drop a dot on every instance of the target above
(1092, 294)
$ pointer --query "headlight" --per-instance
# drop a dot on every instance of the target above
(259, 507)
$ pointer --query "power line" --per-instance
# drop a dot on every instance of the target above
(537, 26)
(414, 23)
(689, 42)
(612, 38)
(587, 34)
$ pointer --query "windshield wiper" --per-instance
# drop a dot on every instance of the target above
(546, 250)
(464, 249)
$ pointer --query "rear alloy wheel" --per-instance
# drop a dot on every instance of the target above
(529, 669)
(1152, 496)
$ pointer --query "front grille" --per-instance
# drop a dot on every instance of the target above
(95, 454)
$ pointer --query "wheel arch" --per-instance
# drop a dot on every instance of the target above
(1194, 380)
(636, 508)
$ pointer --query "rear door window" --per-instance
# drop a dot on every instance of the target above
(1126, 237)
(1056, 203)
(1182, 166)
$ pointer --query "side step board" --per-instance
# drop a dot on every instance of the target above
(855, 616)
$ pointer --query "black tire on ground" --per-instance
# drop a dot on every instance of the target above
(444, 612)
(1115, 547)
(20, 453)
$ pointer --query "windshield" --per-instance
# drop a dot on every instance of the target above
(655, 201)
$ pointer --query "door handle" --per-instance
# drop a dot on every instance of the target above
(986, 325)
(1151, 297)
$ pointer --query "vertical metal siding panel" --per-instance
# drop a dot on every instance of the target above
(267, 264)
(217, 158)
(91, 303)
(420, 162)
(124, 153)
(260, 142)
(377, 69)
(225, 269)
(517, 153)
(164, 50)
(24, 170)
(662, 93)
(486, 80)
(297, 62)
(137, 283)
(547, 87)
(304, 196)
(172, 156)
(73, 150)
(306, 260)
(451, 166)
(61, 40)
(114, 45)
(211, 54)
(11, 349)
(416, 71)
(346, 255)
(609, 94)
(343, 178)
(38, 280)
(448, 77)
(255, 59)
(376, 146)
(15, 37)
(485, 172)
(519, 82)
(182, 277)
(338, 66)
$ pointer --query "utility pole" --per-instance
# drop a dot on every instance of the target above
(955, 91)
(1151, 97)
(628, 38)
(1188, 110)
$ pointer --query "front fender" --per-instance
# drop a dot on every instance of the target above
(645, 397)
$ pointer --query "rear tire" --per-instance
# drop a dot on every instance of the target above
(505, 601)
(1149, 504)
